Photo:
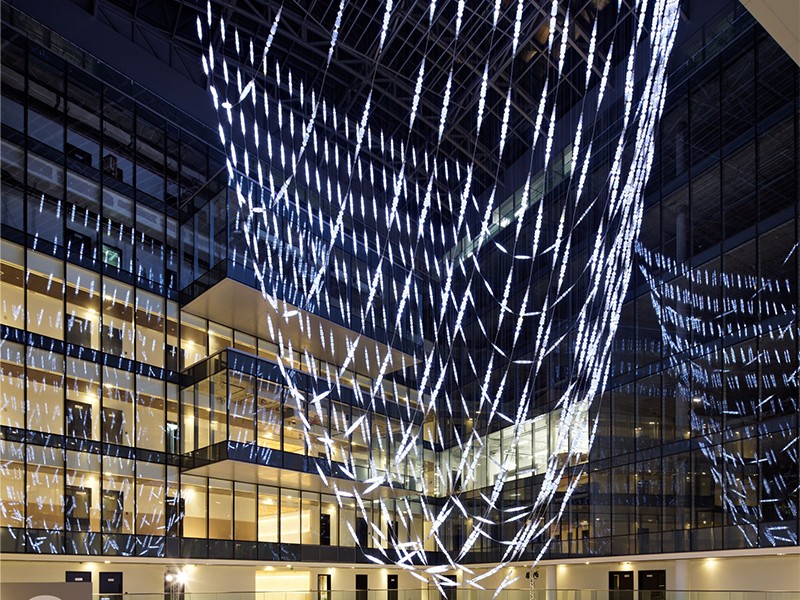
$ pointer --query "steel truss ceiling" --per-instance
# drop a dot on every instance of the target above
(166, 28)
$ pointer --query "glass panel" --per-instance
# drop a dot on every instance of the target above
(290, 517)
(193, 339)
(150, 413)
(83, 120)
(83, 308)
(118, 499)
(149, 498)
(347, 524)
(172, 431)
(12, 380)
(359, 441)
(118, 403)
(12, 209)
(268, 525)
(83, 399)
(45, 391)
(12, 286)
(241, 407)
(738, 190)
(311, 519)
(330, 514)
(150, 146)
(118, 331)
(12, 492)
(150, 244)
(45, 279)
(293, 439)
(220, 509)
(83, 218)
(150, 328)
(118, 113)
(318, 417)
(116, 251)
(648, 400)
(46, 99)
(45, 199)
(245, 510)
(244, 342)
(193, 491)
(45, 487)
(219, 338)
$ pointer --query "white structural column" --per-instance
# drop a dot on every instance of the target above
(550, 577)
(682, 579)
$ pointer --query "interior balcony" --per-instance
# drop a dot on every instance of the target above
(241, 421)
(281, 261)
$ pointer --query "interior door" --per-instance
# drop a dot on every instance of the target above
(110, 586)
(620, 585)
(391, 587)
(323, 586)
(362, 585)
(652, 585)
(451, 591)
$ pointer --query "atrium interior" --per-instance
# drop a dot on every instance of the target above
(400, 299)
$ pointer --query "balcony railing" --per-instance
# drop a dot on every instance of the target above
(465, 594)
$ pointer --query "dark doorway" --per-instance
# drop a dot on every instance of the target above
(323, 587)
(324, 530)
(79, 419)
(652, 585)
(391, 587)
(362, 533)
(78, 576)
(620, 585)
(458, 538)
(362, 585)
(451, 591)
(113, 421)
(111, 586)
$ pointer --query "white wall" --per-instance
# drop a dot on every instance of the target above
(145, 578)
(220, 578)
(778, 573)
(774, 573)
(344, 578)
(136, 578)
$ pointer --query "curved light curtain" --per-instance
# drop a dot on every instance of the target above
(287, 147)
